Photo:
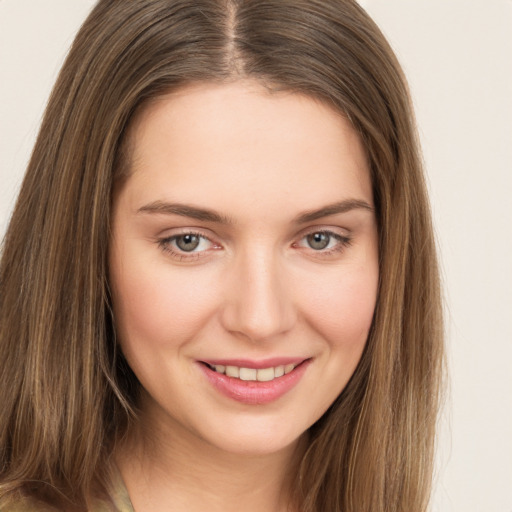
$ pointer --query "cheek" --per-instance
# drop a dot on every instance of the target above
(341, 308)
(158, 305)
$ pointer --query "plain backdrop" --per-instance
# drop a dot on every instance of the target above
(457, 55)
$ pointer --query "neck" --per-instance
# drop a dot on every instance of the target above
(171, 468)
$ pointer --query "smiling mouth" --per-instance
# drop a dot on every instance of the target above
(253, 374)
(255, 382)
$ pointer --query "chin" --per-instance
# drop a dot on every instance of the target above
(257, 438)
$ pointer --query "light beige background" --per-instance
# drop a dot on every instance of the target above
(457, 55)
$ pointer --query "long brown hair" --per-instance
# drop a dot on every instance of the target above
(67, 393)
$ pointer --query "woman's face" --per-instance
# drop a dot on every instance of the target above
(243, 263)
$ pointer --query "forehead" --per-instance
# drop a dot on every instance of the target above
(240, 140)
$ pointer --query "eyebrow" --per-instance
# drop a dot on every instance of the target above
(185, 210)
(207, 215)
(333, 209)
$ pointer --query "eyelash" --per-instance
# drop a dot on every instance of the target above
(343, 242)
(166, 246)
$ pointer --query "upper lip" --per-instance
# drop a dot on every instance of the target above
(256, 364)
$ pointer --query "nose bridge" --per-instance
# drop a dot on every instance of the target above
(259, 305)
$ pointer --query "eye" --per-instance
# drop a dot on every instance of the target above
(324, 242)
(188, 242)
(186, 245)
(318, 241)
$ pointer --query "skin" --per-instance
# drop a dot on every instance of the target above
(254, 288)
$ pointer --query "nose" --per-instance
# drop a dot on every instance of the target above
(258, 302)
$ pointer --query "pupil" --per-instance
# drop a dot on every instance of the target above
(318, 241)
(187, 243)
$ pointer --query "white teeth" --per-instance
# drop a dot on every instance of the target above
(265, 374)
(253, 374)
(279, 371)
(288, 368)
(233, 371)
(248, 374)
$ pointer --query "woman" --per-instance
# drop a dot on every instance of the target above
(219, 284)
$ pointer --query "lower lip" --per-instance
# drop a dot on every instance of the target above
(254, 392)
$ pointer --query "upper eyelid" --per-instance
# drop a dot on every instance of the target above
(201, 231)
(337, 231)
(333, 234)
(169, 232)
(303, 232)
(329, 232)
(184, 233)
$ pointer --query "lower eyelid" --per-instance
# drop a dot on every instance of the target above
(166, 245)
